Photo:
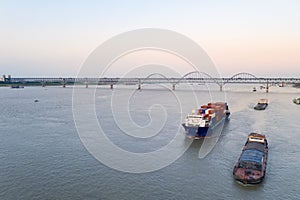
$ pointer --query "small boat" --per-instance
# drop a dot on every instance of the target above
(16, 86)
(297, 101)
(252, 163)
(207, 117)
(262, 104)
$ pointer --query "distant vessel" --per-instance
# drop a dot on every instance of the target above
(16, 86)
(254, 89)
(297, 101)
(252, 163)
(262, 104)
(209, 116)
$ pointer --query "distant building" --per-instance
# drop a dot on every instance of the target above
(3, 78)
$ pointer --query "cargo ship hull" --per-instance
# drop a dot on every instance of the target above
(196, 132)
(201, 132)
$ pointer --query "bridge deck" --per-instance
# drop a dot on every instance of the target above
(153, 80)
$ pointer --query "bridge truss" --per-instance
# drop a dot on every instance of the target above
(194, 77)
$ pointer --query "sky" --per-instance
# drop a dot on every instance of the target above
(54, 38)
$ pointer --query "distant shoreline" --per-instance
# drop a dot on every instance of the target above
(28, 84)
(6, 84)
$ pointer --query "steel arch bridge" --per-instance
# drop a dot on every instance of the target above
(204, 78)
(190, 78)
(154, 78)
(243, 77)
(196, 77)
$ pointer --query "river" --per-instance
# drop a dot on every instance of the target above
(42, 155)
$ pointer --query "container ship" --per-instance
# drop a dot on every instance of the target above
(252, 163)
(202, 121)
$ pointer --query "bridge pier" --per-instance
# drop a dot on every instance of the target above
(139, 84)
(267, 88)
(111, 86)
(43, 84)
(64, 82)
(221, 88)
(86, 84)
(173, 86)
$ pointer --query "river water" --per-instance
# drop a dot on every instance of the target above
(42, 156)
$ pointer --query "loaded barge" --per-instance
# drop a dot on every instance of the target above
(252, 163)
(262, 104)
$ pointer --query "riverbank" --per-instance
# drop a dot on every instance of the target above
(4, 84)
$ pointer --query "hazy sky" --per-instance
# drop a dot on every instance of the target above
(53, 38)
